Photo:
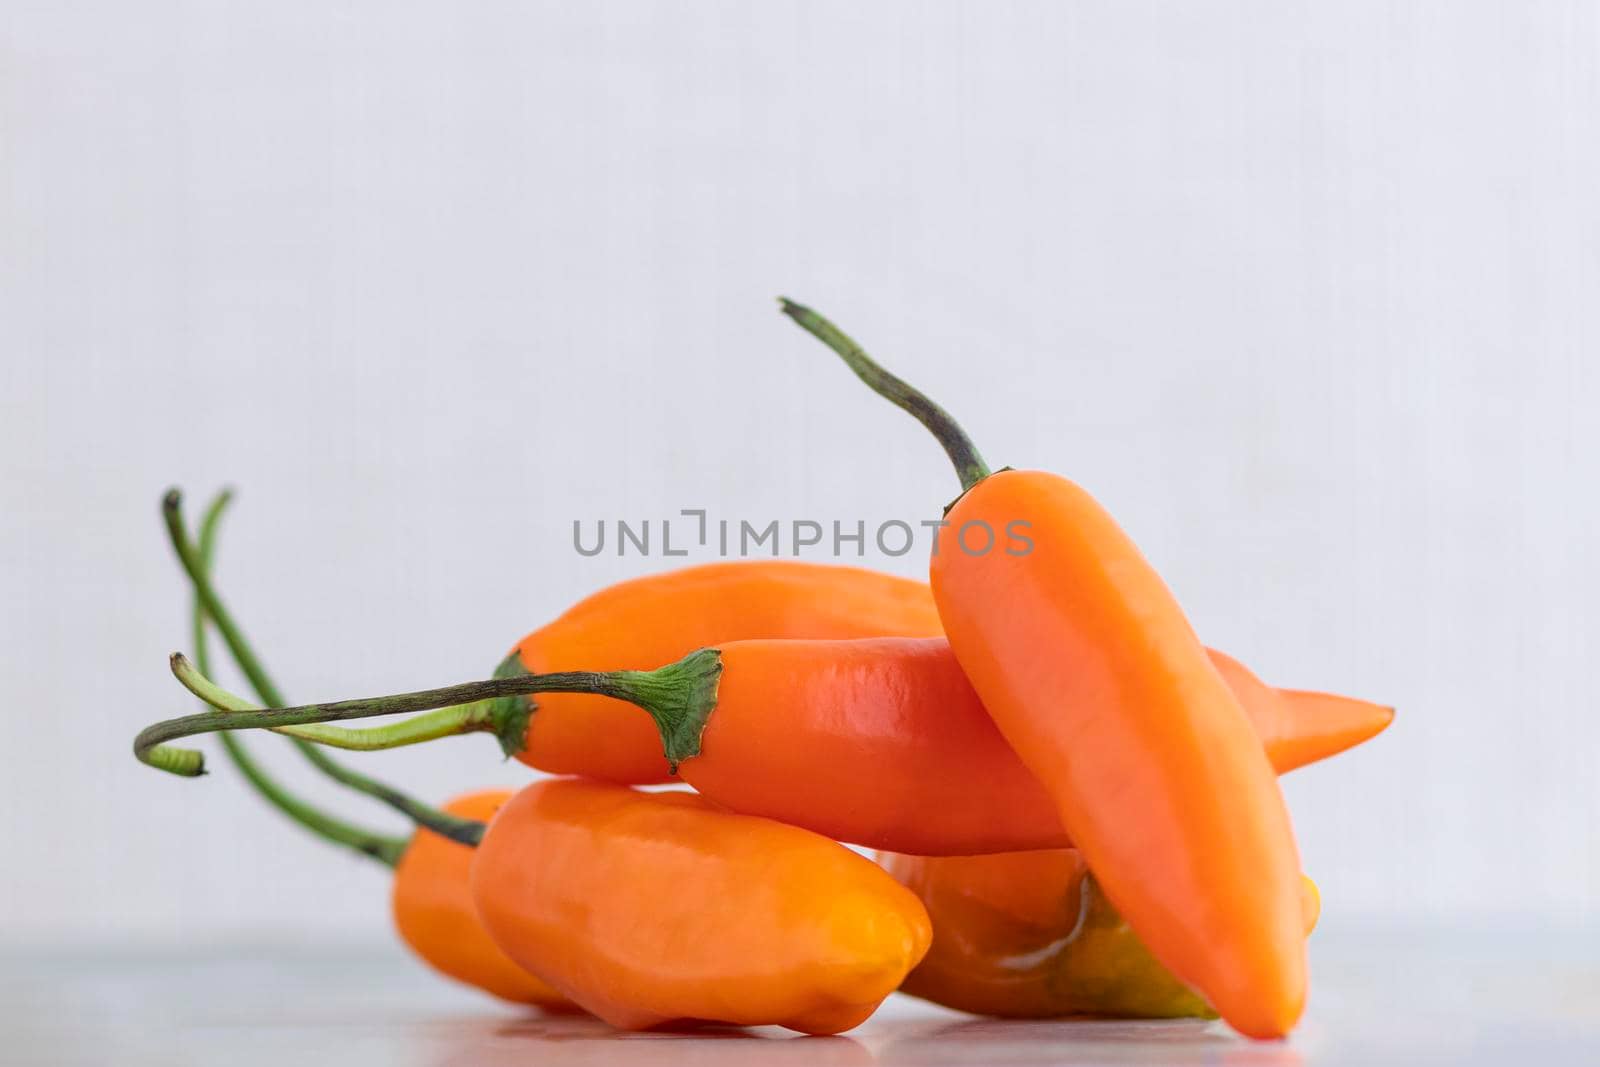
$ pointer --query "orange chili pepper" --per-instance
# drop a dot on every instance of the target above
(649, 908)
(876, 741)
(1090, 669)
(434, 913)
(1028, 935)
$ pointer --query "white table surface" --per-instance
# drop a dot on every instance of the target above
(1379, 996)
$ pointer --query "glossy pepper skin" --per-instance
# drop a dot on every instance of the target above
(431, 901)
(883, 742)
(1029, 935)
(645, 622)
(649, 908)
(1093, 674)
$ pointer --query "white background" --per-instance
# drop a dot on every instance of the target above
(1308, 294)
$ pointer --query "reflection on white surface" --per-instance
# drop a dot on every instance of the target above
(903, 1033)
(1378, 997)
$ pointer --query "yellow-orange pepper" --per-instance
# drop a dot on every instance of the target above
(649, 908)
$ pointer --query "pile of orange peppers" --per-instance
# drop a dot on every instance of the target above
(1073, 802)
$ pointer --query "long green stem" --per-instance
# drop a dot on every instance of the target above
(384, 849)
(195, 563)
(957, 445)
(679, 697)
(466, 831)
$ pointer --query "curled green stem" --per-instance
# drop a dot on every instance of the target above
(466, 831)
(969, 465)
(196, 563)
(679, 697)
(383, 848)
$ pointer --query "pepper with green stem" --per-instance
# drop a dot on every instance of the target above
(1088, 665)
(879, 742)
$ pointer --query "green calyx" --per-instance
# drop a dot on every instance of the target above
(680, 697)
(509, 715)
